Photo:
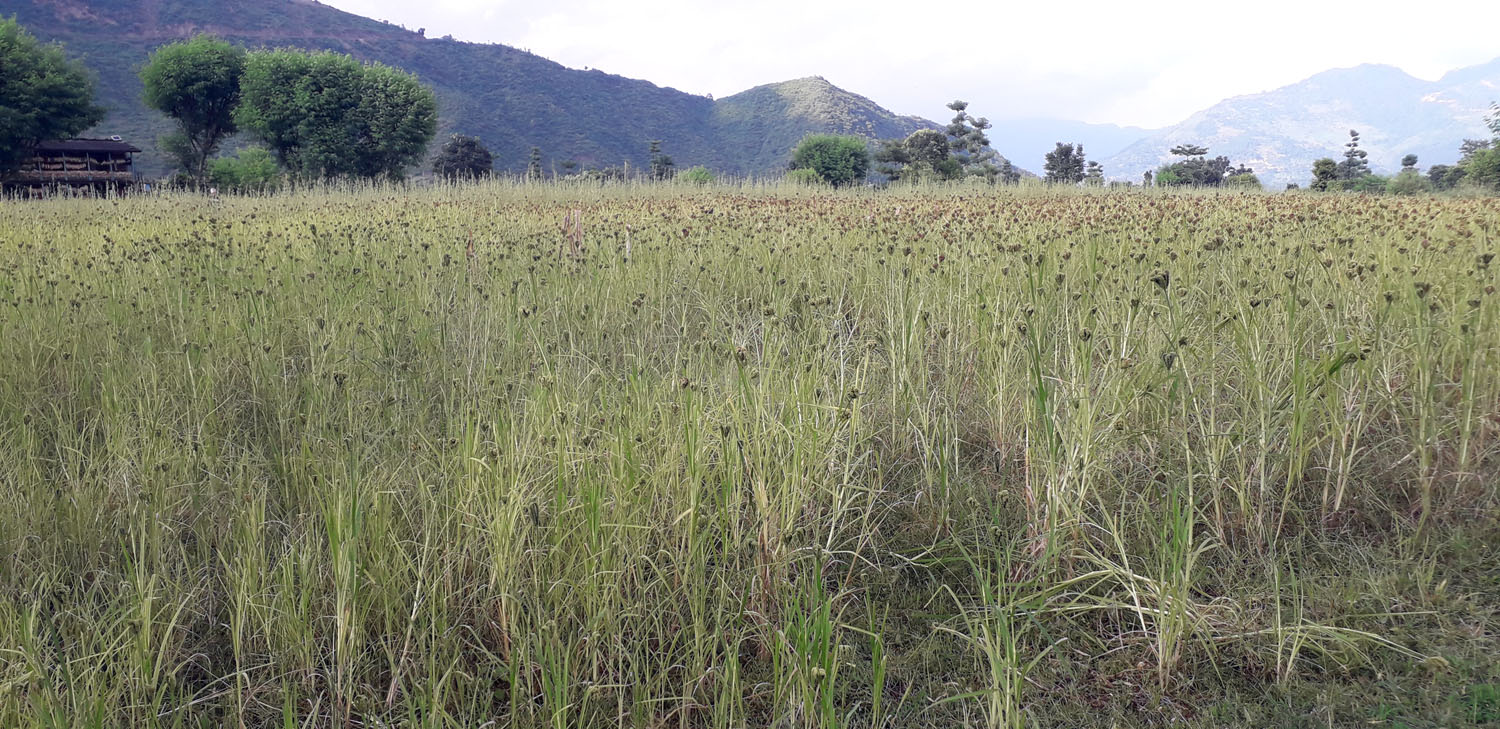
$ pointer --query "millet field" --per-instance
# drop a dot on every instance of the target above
(509, 455)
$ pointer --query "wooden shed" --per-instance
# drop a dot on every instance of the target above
(97, 163)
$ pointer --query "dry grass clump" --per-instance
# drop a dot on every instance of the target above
(742, 457)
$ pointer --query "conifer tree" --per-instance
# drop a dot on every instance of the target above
(534, 165)
(1065, 164)
(970, 145)
(1356, 163)
(661, 164)
(1094, 177)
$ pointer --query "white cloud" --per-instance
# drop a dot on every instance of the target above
(1101, 61)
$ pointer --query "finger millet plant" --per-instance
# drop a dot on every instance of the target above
(749, 457)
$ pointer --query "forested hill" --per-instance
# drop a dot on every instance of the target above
(511, 99)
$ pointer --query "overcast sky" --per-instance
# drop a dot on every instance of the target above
(1148, 64)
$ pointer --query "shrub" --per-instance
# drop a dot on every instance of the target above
(1408, 182)
(1369, 183)
(1247, 180)
(804, 177)
(463, 158)
(837, 160)
(252, 170)
(699, 175)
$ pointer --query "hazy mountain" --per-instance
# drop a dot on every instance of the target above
(511, 99)
(1280, 133)
(1026, 141)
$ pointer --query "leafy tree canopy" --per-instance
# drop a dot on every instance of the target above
(1480, 166)
(1445, 177)
(925, 154)
(43, 94)
(1482, 170)
(197, 83)
(327, 115)
(1325, 176)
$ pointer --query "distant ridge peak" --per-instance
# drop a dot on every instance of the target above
(1280, 133)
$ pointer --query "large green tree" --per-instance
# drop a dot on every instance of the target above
(1196, 169)
(1325, 176)
(327, 115)
(837, 160)
(925, 154)
(197, 83)
(43, 94)
(1445, 177)
(959, 149)
(1483, 170)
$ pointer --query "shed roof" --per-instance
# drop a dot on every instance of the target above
(85, 145)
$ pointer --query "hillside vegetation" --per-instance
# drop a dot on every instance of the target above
(725, 457)
(511, 99)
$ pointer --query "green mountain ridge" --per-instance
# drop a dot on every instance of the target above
(511, 99)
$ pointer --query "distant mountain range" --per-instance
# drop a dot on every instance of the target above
(1280, 133)
(511, 99)
(1026, 142)
(514, 100)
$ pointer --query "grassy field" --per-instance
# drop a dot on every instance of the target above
(749, 458)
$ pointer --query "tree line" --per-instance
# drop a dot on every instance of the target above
(962, 150)
(1478, 168)
(319, 115)
(322, 115)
